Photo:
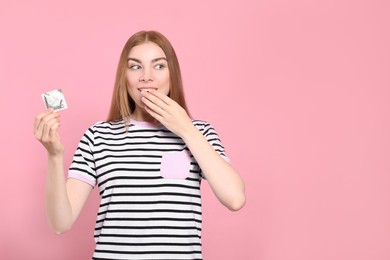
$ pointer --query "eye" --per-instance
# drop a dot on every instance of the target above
(160, 66)
(134, 67)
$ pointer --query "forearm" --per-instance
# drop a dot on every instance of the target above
(225, 182)
(58, 208)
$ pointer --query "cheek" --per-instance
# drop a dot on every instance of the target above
(130, 80)
(131, 87)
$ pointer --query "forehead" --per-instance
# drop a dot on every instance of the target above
(146, 51)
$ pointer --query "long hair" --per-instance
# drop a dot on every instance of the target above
(122, 105)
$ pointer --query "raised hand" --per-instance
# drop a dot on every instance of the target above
(167, 112)
(46, 126)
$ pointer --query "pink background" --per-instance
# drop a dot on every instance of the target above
(298, 90)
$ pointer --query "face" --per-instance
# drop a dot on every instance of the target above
(147, 68)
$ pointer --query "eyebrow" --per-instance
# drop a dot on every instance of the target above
(153, 61)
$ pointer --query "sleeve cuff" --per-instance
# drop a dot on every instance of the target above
(81, 177)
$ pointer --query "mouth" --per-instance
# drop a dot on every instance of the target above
(146, 89)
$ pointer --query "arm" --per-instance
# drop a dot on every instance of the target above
(224, 180)
(64, 199)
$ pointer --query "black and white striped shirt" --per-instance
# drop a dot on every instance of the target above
(149, 185)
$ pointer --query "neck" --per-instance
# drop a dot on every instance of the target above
(142, 116)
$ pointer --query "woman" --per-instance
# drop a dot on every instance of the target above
(147, 159)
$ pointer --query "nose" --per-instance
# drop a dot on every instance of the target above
(146, 75)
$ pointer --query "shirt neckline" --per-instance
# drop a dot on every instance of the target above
(144, 124)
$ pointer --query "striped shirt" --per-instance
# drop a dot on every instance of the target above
(149, 185)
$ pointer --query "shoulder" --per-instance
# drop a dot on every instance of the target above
(203, 126)
(101, 126)
(200, 124)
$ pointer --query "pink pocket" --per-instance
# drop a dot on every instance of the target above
(175, 165)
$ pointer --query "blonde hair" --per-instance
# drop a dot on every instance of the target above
(122, 105)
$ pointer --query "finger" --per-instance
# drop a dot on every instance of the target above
(49, 130)
(155, 115)
(39, 117)
(44, 124)
(161, 96)
(54, 130)
(44, 116)
(153, 104)
(156, 99)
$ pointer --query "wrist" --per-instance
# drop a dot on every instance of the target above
(56, 158)
(190, 134)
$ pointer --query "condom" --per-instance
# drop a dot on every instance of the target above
(55, 99)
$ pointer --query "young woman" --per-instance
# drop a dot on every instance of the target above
(147, 160)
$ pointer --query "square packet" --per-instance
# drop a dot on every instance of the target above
(54, 99)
